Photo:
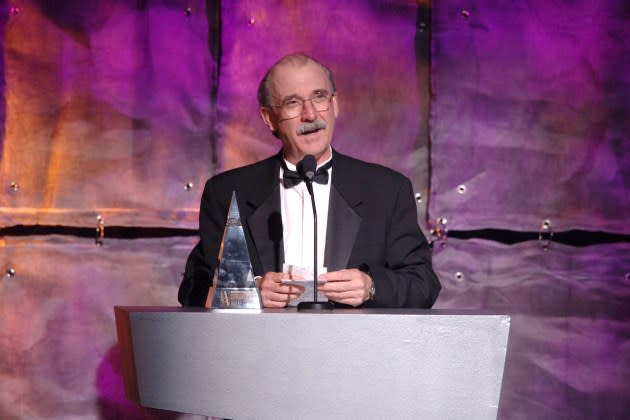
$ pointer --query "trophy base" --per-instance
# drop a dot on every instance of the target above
(315, 306)
(236, 298)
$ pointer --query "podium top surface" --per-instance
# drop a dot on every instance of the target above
(357, 311)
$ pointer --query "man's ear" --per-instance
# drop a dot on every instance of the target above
(335, 106)
(268, 118)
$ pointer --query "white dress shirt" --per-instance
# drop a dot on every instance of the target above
(297, 220)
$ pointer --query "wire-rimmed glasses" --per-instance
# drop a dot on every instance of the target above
(293, 106)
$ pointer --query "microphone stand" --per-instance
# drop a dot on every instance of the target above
(314, 306)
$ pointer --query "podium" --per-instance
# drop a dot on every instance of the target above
(343, 364)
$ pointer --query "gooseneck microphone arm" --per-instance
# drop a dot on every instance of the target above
(309, 186)
(306, 168)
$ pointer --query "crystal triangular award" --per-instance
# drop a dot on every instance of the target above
(235, 285)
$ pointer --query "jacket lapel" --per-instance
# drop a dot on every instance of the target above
(264, 222)
(343, 219)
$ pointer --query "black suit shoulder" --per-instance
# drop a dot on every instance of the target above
(251, 183)
(360, 180)
(254, 170)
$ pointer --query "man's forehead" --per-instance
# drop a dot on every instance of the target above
(294, 63)
(289, 76)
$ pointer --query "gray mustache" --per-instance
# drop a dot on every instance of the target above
(311, 127)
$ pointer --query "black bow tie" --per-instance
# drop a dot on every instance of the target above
(292, 178)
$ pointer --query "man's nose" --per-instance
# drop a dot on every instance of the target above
(308, 111)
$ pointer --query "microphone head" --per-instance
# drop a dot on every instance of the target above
(306, 167)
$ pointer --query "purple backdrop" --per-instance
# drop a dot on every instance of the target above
(529, 125)
(530, 114)
(123, 108)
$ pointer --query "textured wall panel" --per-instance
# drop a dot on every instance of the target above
(530, 113)
(58, 354)
(369, 46)
(570, 337)
(107, 111)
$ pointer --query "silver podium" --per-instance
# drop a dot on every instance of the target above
(344, 364)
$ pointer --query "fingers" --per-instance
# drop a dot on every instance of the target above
(274, 294)
(350, 286)
(352, 298)
(340, 275)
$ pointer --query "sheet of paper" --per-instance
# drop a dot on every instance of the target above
(305, 279)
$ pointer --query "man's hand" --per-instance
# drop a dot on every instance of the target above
(275, 294)
(349, 286)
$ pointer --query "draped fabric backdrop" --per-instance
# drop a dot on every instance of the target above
(529, 127)
(116, 112)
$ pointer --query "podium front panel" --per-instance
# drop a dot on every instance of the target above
(345, 364)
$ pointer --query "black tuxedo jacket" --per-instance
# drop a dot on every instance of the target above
(372, 220)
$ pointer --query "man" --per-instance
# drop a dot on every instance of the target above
(374, 251)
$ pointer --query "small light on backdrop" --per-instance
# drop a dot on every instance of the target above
(14, 186)
(439, 231)
(418, 197)
(188, 186)
(461, 189)
(251, 21)
(465, 14)
(545, 234)
(10, 272)
(188, 11)
(459, 276)
(100, 231)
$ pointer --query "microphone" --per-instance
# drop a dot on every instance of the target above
(306, 169)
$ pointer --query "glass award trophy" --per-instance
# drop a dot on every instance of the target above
(234, 278)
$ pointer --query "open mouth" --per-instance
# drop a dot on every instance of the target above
(311, 127)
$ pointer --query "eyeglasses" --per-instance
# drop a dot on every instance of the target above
(292, 107)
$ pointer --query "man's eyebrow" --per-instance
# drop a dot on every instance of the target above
(292, 96)
(314, 92)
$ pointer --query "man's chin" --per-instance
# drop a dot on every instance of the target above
(320, 151)
(316, 144)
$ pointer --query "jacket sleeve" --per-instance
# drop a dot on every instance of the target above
(202, 261)
(406, 279)
(194, 288)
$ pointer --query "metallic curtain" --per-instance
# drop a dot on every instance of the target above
(122, 109)
(369, 46)
(107, 112)
(530, 114)
(529, 132)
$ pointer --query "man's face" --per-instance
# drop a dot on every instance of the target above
(310, 132)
